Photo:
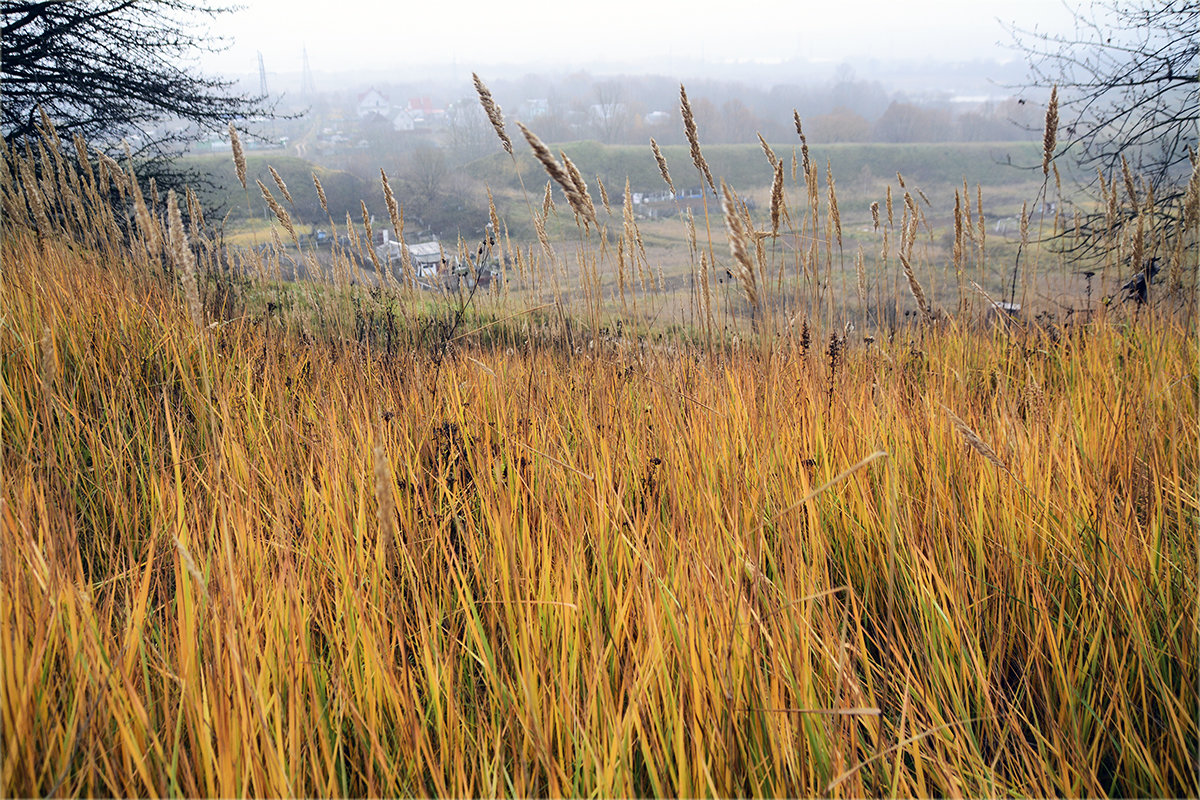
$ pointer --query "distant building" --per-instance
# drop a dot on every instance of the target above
(534, 108)
(421, 105)
(428, 260)
(424, 113)
(404, 121)
(604, 112)
(373, 104)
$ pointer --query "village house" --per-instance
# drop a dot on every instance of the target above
(428, 259)
(534, 108)
(404, 121)
(373, 104)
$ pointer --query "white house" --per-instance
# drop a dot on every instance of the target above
(534, 108)
(373, 103)
(605, 112)
(428, 259)
(404, 121)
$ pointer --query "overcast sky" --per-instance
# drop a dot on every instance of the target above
(355, 35)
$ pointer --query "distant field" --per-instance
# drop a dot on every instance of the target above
(863, 174)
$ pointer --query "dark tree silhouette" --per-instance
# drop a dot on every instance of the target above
(107, 69)
(1127, 80)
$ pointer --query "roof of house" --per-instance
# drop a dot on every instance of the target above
(364, 95)
(425, 249)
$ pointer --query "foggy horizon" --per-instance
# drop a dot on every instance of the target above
(667, 39)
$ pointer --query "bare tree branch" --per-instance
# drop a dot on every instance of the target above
(110, 69)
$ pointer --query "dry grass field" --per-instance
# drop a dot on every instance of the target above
(319, 539)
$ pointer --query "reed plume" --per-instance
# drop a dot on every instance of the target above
(693, 137)
(394, 210)
(768, 152)
(834, 215)
(582, 196)
(282, 186)
(85, 164)
(576, 196)
(150, 229)
(547, 159)
(604, 195)
(915, 287)
(493, 217)
(185, 260)
(195, 212)
(777, 201)
(806, 164)
(1050, 133)
(320, 193)
(493, 113)
(662, 165)
(1130, 187)
(980, 222)
(239, 155)
(48, 130)
(112, 170)
(1024, 225)
(739, 241)
(379, 270)
(974, 441)
(281, 213)
(37, 203)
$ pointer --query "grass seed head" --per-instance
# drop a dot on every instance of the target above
(973, 441)
(320, 193)
(184, 259)
(693, 137)
(662, 165)
(915, 287)
(282, 186)
(777, 201)
(239, 155)
(1050, 131)
(493, 113)
(394, 211)
(281, 213)
(739, 242)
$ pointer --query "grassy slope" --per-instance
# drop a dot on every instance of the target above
(242, 562)
(222, 192)
(329, 542)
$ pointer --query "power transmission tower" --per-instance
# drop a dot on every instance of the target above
(262, 75)
(262, 88)
(307, 88)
